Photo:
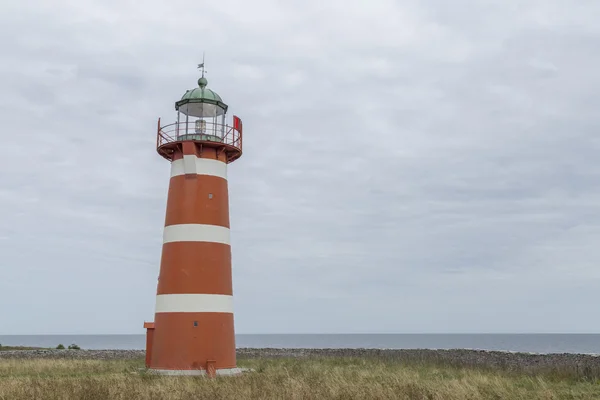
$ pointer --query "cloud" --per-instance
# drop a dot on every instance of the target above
(406, 168)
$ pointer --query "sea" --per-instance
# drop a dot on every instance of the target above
(529, 343)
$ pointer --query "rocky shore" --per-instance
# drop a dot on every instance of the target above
(585, 365)
(579, 364)
(74, 354)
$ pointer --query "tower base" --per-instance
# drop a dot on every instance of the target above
(196, 372)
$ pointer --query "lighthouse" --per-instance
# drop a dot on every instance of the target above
(193, 330)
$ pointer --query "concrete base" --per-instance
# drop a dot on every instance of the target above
(197, 372)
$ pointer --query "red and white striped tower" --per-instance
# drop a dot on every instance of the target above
(193, 333)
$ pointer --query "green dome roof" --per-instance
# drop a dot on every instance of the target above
(201, 93)
(196, 101)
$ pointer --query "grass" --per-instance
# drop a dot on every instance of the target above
(316, 378)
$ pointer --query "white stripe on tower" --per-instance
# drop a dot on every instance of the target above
(196, 233)
(190, 164)
(192, 303)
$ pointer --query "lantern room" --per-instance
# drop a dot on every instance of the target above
(203, 112)
(201, 118)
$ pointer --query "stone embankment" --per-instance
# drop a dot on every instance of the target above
(560, 363)
(579, 364)
(74, 354)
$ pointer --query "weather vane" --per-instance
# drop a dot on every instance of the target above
(201, 66)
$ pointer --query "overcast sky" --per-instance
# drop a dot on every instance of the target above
(409, 166)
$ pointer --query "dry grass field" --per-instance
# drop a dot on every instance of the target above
(284, 378)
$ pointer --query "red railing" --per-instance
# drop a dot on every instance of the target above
(207, 132)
